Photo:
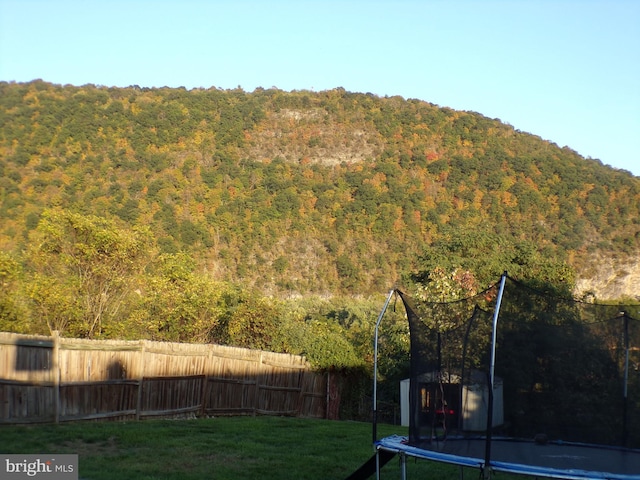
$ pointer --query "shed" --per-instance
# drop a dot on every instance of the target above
(472, 397)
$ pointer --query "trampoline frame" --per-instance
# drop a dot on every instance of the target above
(399, 445)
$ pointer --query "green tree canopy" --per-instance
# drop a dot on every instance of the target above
(97, 262)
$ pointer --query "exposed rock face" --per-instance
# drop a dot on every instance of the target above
(315, 136)
(611, 278)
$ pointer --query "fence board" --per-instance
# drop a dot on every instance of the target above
(168, 394)
(50, 379)
(23, 402)
(85, 401)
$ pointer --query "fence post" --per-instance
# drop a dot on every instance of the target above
(328, 396)
(205, 382)
(56, 375)
(256, 398)
(140, 378)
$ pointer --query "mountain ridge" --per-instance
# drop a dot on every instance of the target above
(305, 192)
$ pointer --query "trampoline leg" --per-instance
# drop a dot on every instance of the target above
(403, 466)
(377, 464)
(485, 473)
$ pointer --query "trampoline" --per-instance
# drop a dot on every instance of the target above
(519, 381)
(552, 460)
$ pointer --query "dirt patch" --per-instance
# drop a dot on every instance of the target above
(83, 448)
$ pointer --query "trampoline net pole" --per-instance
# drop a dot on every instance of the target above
(492, 368)
(625, 400)
(375, 368)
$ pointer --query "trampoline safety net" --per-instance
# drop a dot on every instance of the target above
(559, 370)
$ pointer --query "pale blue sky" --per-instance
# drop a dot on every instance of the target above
(566, 70)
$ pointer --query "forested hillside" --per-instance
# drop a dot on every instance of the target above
(299, 192)
(279, 220)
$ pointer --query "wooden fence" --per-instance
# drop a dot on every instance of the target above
(55, 379)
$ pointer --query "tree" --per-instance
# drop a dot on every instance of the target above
(347, 271)
(447, 286)
(12, 314)
(486, 255)
(253, 322)
(95, 263)
(55, 301)
(179, 305)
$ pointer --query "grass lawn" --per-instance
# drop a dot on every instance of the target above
(218, 448)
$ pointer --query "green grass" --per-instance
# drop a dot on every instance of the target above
(219, 448)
